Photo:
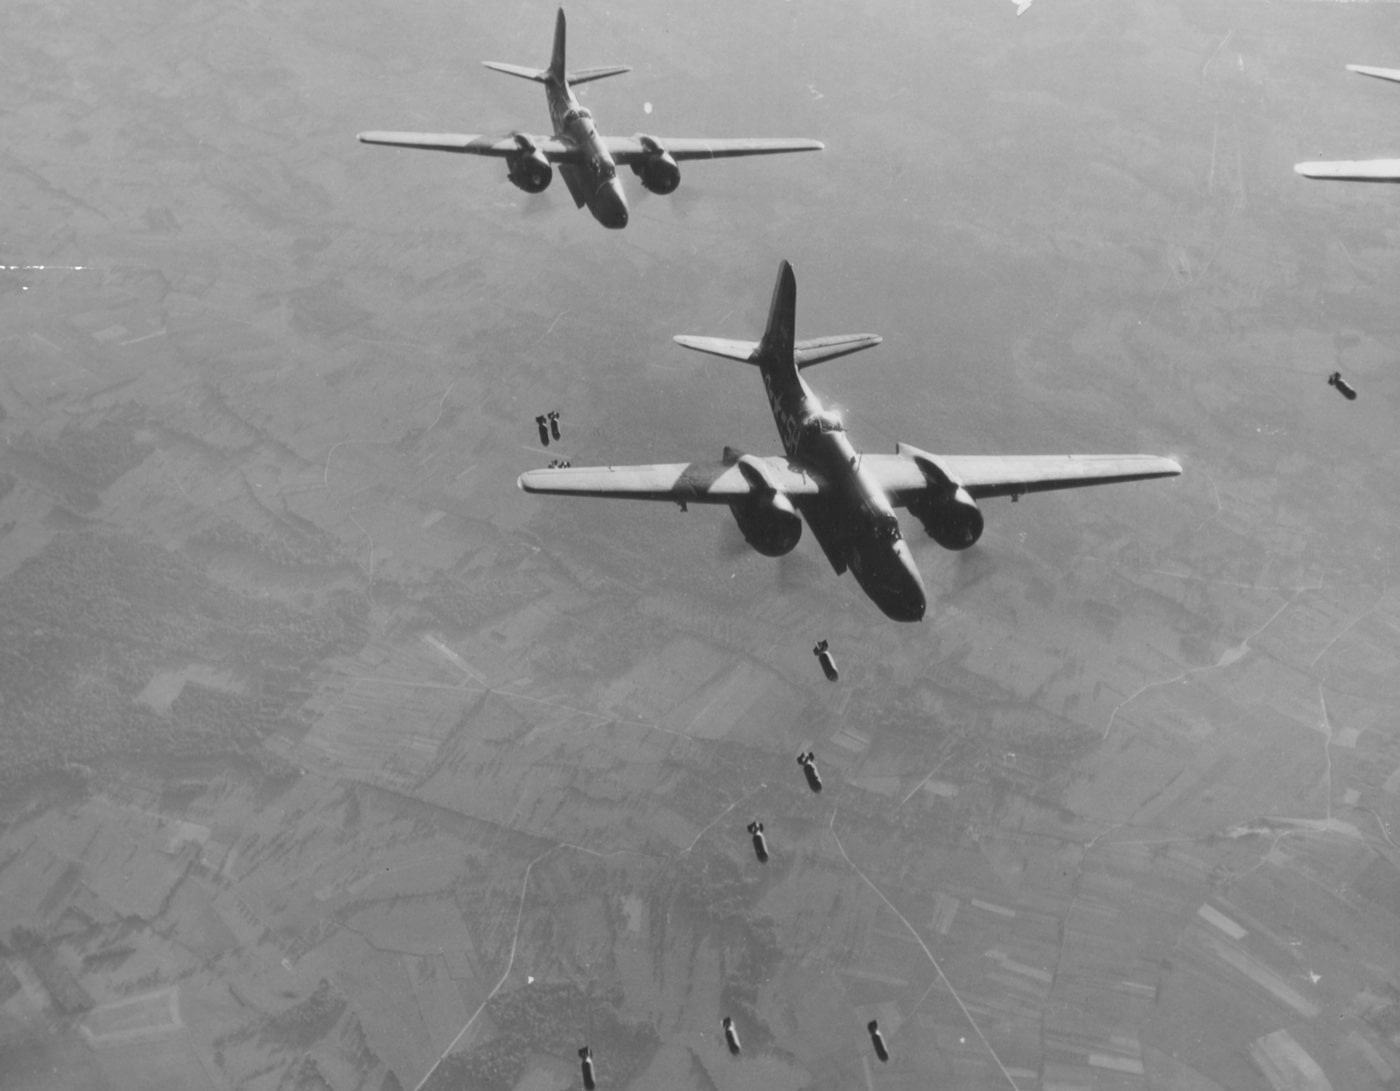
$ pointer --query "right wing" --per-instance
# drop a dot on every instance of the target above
(910, 473)
(1353, 170)
(1012, 475)
(633, 149)
(678, 482)
(556, 151)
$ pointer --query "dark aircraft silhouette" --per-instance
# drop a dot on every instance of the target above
(847, 498)
(1357, 170)
(587, 160)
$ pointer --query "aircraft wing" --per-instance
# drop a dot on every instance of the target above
(1353, 170)
(631, 149)
(910, 472)
(1392, 74)
(678, 482)
(556, 151)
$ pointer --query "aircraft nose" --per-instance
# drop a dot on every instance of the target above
(907, 601)
(907, 605)
(612, 205)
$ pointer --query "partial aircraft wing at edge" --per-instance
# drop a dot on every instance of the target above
(471, 144)
(1353, 170)
(1357, 170)
(629, 149)
(678, 482)
(1012, 475)
(1392, 74)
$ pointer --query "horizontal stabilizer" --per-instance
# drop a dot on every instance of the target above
(1392, 74)
(804, 353)
(720, 346)
(814, 351)
(1353, 170)
(539, 75)
(586, 75)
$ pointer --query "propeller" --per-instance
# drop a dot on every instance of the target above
(686, 199)
(537, 204)
(798, 571)
(731, 541)
(971, 567)
(683, 201)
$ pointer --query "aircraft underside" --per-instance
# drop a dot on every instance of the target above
(884, 568)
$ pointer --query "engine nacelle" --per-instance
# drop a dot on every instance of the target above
(529, 169)
(657, 170)
(769, 523)
(659, 173)
(953, 520)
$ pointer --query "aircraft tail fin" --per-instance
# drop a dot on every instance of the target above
(777, 342)
(556, 60)
(555, 71)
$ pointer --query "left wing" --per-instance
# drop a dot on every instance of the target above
(1392, 74)
(678, 482)
(1353, 170)
(910, 472)
(556, 151)
(626, 150)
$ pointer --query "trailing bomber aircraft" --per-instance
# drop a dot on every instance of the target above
(847, 498)
(587, 160)
(1357, 170)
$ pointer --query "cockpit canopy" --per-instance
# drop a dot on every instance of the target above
(885, 526)
(821, 422)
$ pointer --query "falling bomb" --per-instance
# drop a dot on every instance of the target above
(731, 1036)
(760, 844)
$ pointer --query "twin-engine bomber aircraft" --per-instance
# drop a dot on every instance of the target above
(1357, 170)
(847, 498)
(587, 160)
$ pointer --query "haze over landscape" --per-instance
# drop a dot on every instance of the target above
(330, 760)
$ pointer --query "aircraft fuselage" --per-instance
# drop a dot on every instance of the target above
(593, 180)
(857, 523)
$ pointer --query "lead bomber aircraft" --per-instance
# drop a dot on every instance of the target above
(847, 498)
(587, 160)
